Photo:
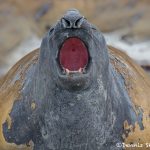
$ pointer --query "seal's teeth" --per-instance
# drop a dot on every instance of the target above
(80, 70)
(67, 71)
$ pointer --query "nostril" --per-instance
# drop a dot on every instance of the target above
(66, 23)
(74, 22)
(78, 22)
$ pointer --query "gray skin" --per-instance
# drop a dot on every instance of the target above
(80, 111)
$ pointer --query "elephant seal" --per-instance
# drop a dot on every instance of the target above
(74, 93)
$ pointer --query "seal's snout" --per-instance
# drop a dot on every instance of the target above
(70, 23)
(72, 19)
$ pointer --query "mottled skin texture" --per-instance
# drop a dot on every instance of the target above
(71, 112)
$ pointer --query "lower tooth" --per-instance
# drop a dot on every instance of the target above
(80, 70)
(67, 71)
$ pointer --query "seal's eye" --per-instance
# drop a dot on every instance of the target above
(51, 30)
(93, 27)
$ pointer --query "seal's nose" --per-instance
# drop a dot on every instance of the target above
(72, 19)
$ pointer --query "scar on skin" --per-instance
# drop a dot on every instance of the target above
(33, 106)
(9, 121)
(127, 128)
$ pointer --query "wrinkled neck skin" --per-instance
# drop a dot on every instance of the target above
(86, 119)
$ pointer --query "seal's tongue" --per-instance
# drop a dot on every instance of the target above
(73, 54)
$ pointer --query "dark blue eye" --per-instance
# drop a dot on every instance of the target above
(51, 30)
(93, 27)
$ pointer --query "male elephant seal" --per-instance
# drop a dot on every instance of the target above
(75, 93)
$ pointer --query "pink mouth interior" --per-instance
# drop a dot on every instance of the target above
(73, 54)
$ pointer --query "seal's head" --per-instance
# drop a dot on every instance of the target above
(75, 51)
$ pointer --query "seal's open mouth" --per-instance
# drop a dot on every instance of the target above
(73, 56)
